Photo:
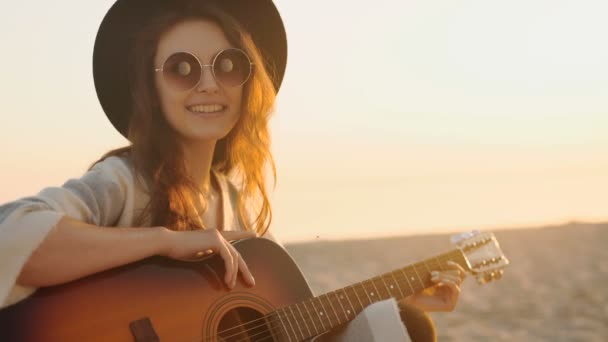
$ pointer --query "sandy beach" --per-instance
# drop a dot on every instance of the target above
(556, 288)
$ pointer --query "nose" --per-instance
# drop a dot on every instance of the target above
(207, 83)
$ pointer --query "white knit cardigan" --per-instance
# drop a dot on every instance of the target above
(107, 196)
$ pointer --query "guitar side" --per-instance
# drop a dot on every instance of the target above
(182, 300)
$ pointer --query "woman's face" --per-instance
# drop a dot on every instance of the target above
(194, 113)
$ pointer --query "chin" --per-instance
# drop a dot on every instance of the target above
(207, 136)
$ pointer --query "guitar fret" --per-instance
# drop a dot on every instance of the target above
(440, 267)
(339, 301)
(427, 267)
(304, 320)
(333, 309)
(413, 277)
(357, 295)
(378, 292)
(291, 326)
(323, 310)
(398, 286)
(408, 281)
(388, 290)
(458, 258)
(311, 318)
(283, 324)
(420, 271)
(296, 321)
(382, 287)
(318, 314)
(349, 302)
(418, 275)
(362, 284)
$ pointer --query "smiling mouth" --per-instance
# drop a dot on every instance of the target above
(206, 109)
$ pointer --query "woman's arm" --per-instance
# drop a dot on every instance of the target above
(99, 198)
(74, 249)
(64, 233)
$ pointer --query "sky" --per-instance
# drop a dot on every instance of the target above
(394, 117)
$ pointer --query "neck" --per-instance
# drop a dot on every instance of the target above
(198, 157)
(320, 314)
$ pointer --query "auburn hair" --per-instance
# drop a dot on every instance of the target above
(242, 155)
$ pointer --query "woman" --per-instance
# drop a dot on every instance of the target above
(192, 90)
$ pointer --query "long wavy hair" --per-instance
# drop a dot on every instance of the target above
(242, 155)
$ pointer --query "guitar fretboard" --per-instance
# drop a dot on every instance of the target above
(317, 315)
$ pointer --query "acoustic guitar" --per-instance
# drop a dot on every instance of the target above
(162, 299)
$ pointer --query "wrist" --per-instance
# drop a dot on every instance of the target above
(162, 238)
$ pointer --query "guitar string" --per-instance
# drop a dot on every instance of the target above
(249, 338)
(444, 257)
(306, 321)
(273, 330)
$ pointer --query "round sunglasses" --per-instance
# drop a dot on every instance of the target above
(230, 67)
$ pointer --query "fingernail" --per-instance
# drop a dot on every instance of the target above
(435, 278)
(252, 280)
(434, 273)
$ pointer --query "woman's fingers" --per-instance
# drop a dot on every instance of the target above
(238, 264)
(235, 264)
(455, 273)
(454, 290)
(451, 296)
(459, 269)
(237, 261)
(440, 276)
(197, 244)
(241, 266)
(449, 282)
(228, 262)
(246, 272)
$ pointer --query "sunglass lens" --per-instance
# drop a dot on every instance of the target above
(182, 70)
(232, 67)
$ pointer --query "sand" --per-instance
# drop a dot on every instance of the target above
(556, 288)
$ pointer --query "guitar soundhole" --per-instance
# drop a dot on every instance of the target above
(245, 325)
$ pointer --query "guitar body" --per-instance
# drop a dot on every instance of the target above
(161, 298)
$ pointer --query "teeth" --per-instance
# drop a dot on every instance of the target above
(206, 108)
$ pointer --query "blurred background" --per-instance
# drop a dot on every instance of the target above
(394, 118)
(410, 118)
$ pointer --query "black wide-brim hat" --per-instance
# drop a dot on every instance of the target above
(260, 18)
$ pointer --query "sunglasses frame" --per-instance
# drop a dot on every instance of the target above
(251, 64)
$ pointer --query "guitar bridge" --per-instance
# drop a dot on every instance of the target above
(143, 331)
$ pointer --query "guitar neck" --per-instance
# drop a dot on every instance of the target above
(320, 314)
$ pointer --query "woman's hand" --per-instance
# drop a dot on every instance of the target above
(188, 245)
(444, 295)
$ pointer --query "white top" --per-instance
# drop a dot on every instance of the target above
(107, 196)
